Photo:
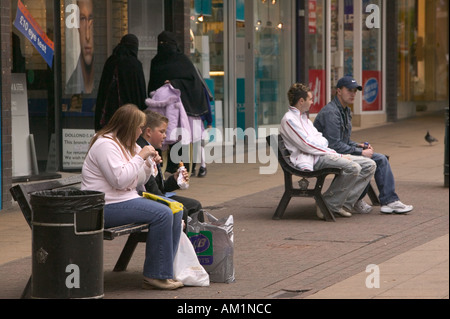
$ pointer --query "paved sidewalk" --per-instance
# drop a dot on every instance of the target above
(421, 272)
(298, 257)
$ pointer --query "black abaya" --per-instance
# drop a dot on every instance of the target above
(130, 81)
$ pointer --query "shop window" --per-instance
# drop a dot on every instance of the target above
(407, 43)
(423, 50)
(86, 43)
(316, 53)
(207, 50)
(273, 51)
(84, 50)
(33, 73)
(372, 56)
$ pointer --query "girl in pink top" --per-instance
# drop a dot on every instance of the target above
(117, 166)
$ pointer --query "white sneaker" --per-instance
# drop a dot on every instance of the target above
(361, 207)
(344, 212)
(396, 207)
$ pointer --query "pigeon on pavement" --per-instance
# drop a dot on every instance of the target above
(430, 139)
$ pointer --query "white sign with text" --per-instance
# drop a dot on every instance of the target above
(75, 144)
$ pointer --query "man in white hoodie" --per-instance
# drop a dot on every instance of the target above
(310, 151)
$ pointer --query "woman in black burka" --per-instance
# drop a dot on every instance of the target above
(171, 64)
(122, 81)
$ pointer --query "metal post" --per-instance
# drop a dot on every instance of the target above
(446, 148)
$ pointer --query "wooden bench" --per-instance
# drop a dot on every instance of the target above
(136, 232)
(289, 170)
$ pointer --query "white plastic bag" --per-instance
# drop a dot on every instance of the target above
(186, 267)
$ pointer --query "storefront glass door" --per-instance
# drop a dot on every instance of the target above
(207, 50)
(273, 59)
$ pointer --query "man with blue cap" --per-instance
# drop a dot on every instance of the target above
(334, 121)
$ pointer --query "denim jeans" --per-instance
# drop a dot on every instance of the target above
(384, 179)
(164, 232)
(347, 187)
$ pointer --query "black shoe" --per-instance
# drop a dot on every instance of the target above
(202, 172)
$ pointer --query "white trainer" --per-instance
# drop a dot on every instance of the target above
(344, 212)
(361, 207)
(396, 207)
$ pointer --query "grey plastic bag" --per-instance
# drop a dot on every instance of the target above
(213, 242)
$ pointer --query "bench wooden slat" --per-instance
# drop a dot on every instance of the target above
(113, 232)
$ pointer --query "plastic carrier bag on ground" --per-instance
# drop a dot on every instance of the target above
(186, 267)
(214, 244)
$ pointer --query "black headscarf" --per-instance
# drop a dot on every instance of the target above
(129, 45)
(122, 73)
(170, 63)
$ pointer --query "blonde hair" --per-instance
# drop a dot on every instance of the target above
(122, 126)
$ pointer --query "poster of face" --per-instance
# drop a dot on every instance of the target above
(79, 35)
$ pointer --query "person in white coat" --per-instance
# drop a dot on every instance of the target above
(310, 151)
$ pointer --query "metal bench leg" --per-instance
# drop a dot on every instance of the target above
(373, 196)
(128, 250)
(282, 205)
(287, 195)
(320, 201)
(26, 293)
(329, 217)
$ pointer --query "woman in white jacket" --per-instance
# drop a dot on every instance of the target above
(116, 165)
(309, 151)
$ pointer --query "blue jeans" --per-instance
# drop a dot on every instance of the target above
(384, 179)
(348, 186)
(164, 232)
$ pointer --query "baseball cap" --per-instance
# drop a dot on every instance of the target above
(349, 83)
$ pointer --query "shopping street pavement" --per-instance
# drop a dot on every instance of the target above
(300, 256)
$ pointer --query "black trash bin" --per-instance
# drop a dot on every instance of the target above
(67, 244)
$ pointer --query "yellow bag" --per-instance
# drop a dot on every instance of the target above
(173, 205)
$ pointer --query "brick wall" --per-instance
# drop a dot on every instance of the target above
(5, 86)
(177, 21)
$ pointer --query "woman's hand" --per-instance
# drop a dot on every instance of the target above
(147, 151)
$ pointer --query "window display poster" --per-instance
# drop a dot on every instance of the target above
(318, 89)
(75, 144)
(371, 91)
(80, 48)
(28, 26)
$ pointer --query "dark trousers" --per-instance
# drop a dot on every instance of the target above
(191, 206)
